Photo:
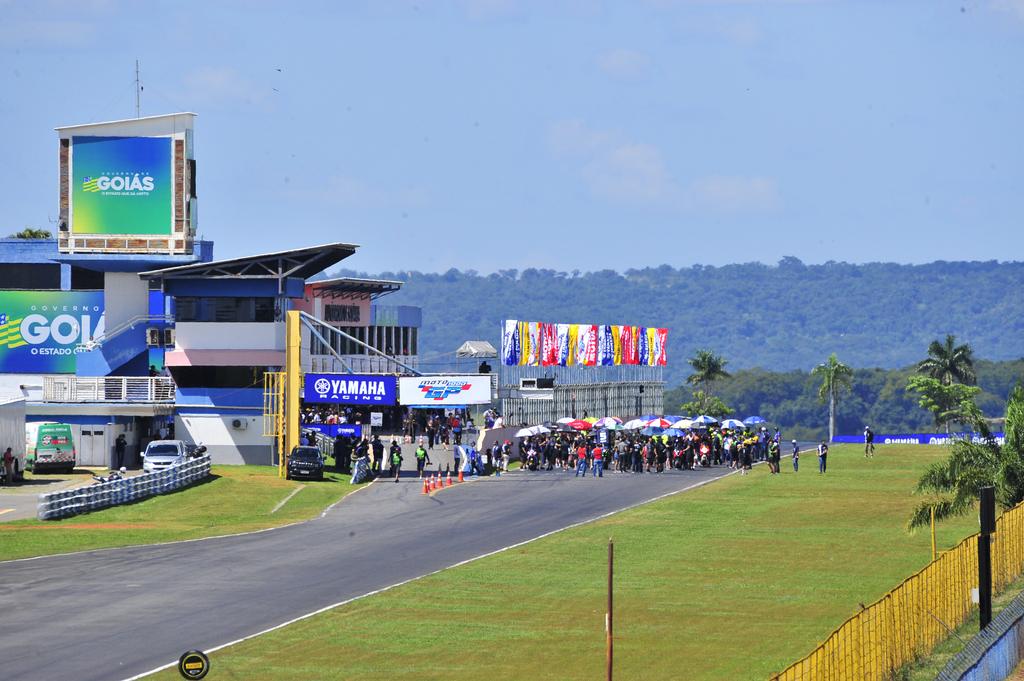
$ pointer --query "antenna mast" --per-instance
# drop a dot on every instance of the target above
(137, 88)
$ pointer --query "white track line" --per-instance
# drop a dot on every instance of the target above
(285, 500)
(430, 574)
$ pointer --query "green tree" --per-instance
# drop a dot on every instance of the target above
(954, 483)
(707, 368)
(949, 403)
(949, 362)
(32, 233)
(836, 378)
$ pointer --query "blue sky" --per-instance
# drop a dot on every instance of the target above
(493, 134)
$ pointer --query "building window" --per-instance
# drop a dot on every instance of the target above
(223, 309)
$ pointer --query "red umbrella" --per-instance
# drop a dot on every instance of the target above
(659, 423)
(580, 425)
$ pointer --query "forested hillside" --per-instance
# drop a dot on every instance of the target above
(878, 398)
(782, 317)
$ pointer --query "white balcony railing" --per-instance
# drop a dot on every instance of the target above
(108, 389)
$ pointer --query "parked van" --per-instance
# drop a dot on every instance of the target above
(49, 447)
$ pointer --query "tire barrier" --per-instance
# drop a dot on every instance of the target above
(67, 503)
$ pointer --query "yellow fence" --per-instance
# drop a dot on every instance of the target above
(273, 410)
(911, 619)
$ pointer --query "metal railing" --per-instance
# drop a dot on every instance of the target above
(108, 389)
(126, 325)
(126, 490)
(907, 623)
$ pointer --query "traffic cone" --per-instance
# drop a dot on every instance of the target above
(460, 476)
(433, 483)
(448, 480)
(426, 486)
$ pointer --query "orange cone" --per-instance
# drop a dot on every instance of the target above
(426, 486)
(448, 480)
(460, 476)
(433, 483)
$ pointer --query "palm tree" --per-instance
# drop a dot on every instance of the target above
(707, 368)
(972, 465)
(949, 363)
(32, 233)
(836, 377)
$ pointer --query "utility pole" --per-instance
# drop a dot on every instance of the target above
(988, 527)
(138, 90)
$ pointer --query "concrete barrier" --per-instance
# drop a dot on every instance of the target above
(71, 502)
(994, 653)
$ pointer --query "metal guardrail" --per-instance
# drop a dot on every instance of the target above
(71, 502)
(108, 389)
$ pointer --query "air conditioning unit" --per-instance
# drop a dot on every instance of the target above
(153, 337)
(527, 382)
(239, 424)
(168, 338)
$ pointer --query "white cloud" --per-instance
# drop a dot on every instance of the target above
(623, 63)
(613, 167)
(731, 193)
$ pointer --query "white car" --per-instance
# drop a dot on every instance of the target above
(161, 454)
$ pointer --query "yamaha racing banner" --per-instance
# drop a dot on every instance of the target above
(349, 389)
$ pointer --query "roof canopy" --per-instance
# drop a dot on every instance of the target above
(478, 349)
(353, 286)
(300, 262)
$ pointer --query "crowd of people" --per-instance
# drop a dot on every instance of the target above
(635, 452)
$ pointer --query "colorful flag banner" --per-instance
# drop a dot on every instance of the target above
(534, 357)
(562, 332)
(605, 346)
(661, 358)
(616, 345)
(510, 343)
(545, 344)
(524, 343)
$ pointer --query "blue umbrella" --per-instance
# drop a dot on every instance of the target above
(732, 424)
(648, 417)
(705, 420)
(652, 431)
(673, 432)
(752, 420)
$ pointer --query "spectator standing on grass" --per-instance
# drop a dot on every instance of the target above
(822, 456)
(774, 456)
(869, 442)
(796, 457)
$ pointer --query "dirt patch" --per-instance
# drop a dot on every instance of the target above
(80, 526)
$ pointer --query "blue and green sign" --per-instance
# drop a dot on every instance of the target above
(40, 331)
(121, 185)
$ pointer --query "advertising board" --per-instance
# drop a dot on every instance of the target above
(121, 185)
(40, 330)
(441, 391)
(349, 389)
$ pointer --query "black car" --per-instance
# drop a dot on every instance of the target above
(305, 462)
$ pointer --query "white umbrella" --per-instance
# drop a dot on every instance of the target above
(683, 424)
(733, 424)
(705, 420)
(609, 422)
(531, 431)
(635, 424)
(565, 419)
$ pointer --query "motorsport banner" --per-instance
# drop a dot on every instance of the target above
(350, 389)
(40, 331)
(543, 344)
(443, 391)
(121, 185)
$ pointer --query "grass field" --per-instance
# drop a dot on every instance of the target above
(731, 581)
(234, 499)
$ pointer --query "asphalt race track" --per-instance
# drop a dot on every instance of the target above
(116, 613)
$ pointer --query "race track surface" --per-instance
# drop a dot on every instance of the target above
(116, 613)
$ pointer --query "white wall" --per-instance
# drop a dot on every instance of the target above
(228, 336)
(125, 295)
(225, 443)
